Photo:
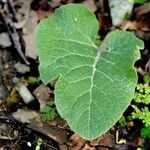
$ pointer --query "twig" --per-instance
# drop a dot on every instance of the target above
(6, 138)
(11, 9)
(14, 35)
(105, 146)
(140, 71)
(147, 66)
(15, 39)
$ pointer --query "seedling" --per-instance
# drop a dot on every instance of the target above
(48, 112)
(145, 132)
(142, 94)
(143, 115)
(95, 84)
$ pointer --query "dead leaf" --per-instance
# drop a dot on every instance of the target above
(76, 142)
(42, 93)
(28, 36)
(90, 4)
(55, 133)
(25, 115)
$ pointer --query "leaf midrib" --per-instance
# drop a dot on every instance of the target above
(92, 80)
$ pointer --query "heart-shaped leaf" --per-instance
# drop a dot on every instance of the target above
(95, 84)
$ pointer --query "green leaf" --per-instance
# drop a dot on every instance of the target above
(145, 132)
(48, 112)
(140, 1)
(95, 85)
(122, 121)
(143, 115)
(142, 94)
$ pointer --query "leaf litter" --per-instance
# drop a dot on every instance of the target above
(17, 135)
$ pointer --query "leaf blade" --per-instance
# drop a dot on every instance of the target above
(59, 29)
(91, 80)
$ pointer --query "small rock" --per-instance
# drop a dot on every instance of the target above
(118, 10)
(24, 93)
(21, 68)
(4, 1)
(4, 40)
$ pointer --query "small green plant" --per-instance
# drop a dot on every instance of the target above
(143, 115)
(34, 80)
(48, 112)
(95, 84)
(39, 143)
(142, 94)
(122, 121)
(147, 78)
(145, 132)
(140, 1)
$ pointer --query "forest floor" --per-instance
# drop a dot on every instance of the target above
(25, 122)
